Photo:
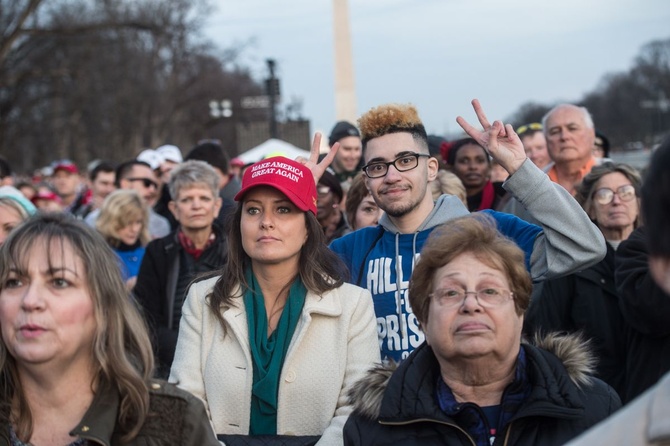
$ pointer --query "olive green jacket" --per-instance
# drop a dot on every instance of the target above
(175, 418)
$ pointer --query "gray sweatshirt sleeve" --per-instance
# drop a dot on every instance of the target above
(569, 240)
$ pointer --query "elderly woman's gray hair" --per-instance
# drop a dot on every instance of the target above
(192, 173)
(588, 185)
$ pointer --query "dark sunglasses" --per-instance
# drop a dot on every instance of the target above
(146, 181)
(532, 126)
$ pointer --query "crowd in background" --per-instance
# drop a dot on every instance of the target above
(557, 231)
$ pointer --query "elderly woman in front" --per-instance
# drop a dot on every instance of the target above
(474, 382)
(75, 357)
(272, 344)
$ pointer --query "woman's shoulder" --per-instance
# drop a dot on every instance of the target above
(571, 356)
(204, 285)
(175, 414)
(160, 391)
(350, 292)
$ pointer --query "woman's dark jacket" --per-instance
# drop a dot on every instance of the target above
(646, 308)
(162, 284)
(400, 407)
(175, 418)
(586, 302)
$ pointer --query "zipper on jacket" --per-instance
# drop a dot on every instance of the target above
(405, 423)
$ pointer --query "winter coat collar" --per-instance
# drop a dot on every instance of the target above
(558, 366)
(320, 304)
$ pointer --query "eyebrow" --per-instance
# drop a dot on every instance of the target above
(55, 270)
(277, 201)
(458, 273)
(380, 159)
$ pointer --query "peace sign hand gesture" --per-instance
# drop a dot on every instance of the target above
(313, 163)
(501, 141)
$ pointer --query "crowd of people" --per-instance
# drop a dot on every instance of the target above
(508, 287)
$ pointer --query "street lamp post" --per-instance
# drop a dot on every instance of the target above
(272, 90)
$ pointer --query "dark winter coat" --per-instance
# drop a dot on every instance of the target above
(401, 407)
(586, 302)
(646, 308)
(157, 289)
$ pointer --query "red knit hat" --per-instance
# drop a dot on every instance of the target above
(287, 176)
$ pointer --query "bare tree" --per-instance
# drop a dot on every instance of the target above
(103, 79)
(629, 106)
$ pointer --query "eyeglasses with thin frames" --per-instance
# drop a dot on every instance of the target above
(403, 163)
(606, 195)
(486, 297)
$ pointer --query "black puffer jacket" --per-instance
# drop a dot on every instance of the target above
(400, 407)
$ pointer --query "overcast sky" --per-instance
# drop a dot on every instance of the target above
(439, 54)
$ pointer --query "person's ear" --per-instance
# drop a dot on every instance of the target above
(217, 205)
(433, 167)
(172, 206)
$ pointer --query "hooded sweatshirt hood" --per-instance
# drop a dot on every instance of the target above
(446, 207)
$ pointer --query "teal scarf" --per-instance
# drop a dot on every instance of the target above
(268, 353)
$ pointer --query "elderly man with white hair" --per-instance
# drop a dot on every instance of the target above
(570, 135)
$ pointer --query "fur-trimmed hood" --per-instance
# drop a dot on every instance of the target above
(572, 350)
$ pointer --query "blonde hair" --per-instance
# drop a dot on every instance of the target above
(121, 349)
(448, 183)
(121, 208)
(392, 118)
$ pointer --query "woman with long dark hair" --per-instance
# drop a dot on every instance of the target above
(273, 343)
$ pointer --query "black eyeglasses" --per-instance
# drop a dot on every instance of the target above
(532, 126)
(402, 164)
(148, 182)
(606, 195)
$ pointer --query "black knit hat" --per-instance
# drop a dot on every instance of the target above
(330, 180)
(341, 130)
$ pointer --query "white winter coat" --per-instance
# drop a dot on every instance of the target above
(334, 344)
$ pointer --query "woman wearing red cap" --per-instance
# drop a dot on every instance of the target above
(274, 343)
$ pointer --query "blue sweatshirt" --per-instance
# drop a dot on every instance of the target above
(381, 258)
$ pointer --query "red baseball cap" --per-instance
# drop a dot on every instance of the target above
(287, 176)
(66, 165)
(45, 195)
(237, 162)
